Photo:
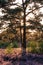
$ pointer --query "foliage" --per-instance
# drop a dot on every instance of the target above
(15, 44)
(35, 47)
(9, 49)
(32, 44)
(8, 44)
(4, 44)
(41, 47)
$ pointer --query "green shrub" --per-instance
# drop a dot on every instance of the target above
(28, 45)
(33, 45)
(6, 44)
(41, 47)
(36, 47)
(3, 44)
(9, 49)
(15, 44)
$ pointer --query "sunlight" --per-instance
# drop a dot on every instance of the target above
(41, 10)
(1, 14)
(0, 31)
(30, 16)
(5, 25)
(3, 30)
(29, 6)
(41, 22)
(38, 4)
(31, 30)
(18, 1)
(13, 6)
(27, 23)
(21, 22)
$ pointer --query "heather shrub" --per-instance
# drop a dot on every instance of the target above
(33, 46)
(9, 49)
(41, 47)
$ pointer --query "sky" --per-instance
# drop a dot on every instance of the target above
(29, 16)
(1, 14)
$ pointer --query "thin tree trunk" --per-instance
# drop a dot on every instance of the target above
(20, 35)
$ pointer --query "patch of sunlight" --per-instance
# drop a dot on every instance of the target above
(41, 22)
(41, 10)
(28, 49)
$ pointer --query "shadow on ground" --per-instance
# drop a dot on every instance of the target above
(26, 59)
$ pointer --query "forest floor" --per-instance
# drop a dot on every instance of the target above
(16, 58)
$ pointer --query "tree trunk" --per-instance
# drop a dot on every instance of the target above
(24, 38)
(24, 32)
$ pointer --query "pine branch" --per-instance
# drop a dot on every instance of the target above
(33, 10)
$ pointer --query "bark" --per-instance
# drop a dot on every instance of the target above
(24, 30)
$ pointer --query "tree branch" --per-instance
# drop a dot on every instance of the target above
(33, 10)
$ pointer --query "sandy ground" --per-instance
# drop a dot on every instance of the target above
(16, 58)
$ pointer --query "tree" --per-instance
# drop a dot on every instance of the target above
(13, 13)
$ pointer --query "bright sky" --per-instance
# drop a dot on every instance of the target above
(1, 14)
(19, 1)
(41, 21)
(41, 10)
